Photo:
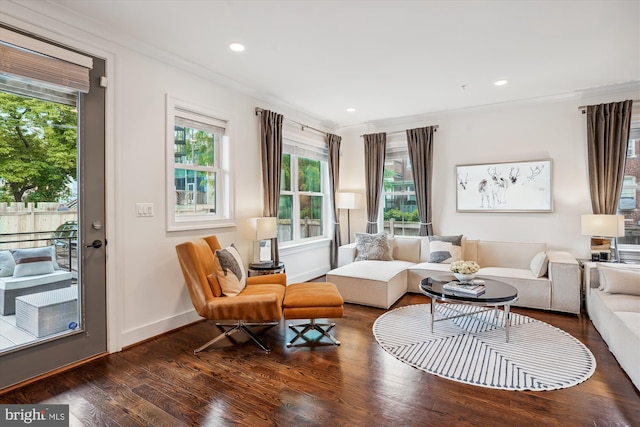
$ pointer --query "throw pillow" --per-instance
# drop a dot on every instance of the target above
(230, 271)
(32, 261)
(445, 249)
(214, 285)
(373, 247)
(7, 264)
(538, 264)
(619, 280)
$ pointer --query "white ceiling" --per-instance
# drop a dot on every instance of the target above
(386, 58)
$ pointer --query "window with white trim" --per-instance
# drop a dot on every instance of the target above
(302, 211)
(198, 175)
(630, 192)
(399, 206)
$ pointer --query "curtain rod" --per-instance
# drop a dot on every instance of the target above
(302, 125)
(583, 108)
(435, 129)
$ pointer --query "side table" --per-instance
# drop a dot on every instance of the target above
(590, 278)
(262, 268)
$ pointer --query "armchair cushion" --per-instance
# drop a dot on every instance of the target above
(230, 271)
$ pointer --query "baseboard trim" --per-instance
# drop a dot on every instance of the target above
(150, 330)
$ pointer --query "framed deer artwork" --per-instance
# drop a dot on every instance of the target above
(505, 187)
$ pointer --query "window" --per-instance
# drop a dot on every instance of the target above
(302, 206)
(399, 207)
(628, 205)
(198, 181)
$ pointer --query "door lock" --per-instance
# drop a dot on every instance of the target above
(95, 244)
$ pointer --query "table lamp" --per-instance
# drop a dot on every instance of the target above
(266, 228)
(604, 226)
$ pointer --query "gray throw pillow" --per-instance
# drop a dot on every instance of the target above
(32, 261)
(7, 264)
(445, 249)
(373, 247)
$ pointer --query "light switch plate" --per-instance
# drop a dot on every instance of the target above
(144, 209)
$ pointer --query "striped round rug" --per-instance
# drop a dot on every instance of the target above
(537, 357)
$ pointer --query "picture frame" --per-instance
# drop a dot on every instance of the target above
(520, 186)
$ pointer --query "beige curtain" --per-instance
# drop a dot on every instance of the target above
(375, 146)
(271, 150)
(420, 143)
(333, 145)
(607, 138)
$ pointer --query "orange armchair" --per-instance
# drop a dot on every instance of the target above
(259, 303)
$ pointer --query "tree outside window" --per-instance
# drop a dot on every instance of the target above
(38, 142)
(302, 200)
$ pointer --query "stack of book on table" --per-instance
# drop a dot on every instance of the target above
(465, 288)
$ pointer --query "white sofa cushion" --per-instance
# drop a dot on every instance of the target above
(619, 302)
(538, 264)
(507, 254)
(619, 280)
(406, 249)
(372, 269)
(10, 283)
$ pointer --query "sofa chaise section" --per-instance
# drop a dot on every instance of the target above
(374, 283)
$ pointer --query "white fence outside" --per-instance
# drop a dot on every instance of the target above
(30, 217)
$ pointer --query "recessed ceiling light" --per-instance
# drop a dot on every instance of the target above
(351, 109)
(500, 82)
(236, 47)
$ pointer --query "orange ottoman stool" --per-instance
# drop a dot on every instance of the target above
(314, 300)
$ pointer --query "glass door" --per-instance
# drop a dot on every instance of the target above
(52, 226)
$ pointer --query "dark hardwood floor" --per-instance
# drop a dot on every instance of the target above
(161, 383)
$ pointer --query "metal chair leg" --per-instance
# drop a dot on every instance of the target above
(322, 328)
(234, 328)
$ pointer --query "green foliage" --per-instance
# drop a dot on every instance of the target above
(38, 142)
(285, 175)
(308, 175)
(398, 215)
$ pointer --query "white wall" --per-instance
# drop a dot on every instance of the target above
(146, 291)
(538, 129)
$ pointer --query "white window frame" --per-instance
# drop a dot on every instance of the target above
(224, 215)
(296, 150)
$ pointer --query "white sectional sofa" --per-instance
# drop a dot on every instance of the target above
(616, 314)
(382, 283)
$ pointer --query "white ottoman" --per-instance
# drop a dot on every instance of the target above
(47, 313)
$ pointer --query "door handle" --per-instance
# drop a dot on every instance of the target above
(95, 244)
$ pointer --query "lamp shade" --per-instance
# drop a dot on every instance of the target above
(603, 225)
(347, 200)
(266, 228)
